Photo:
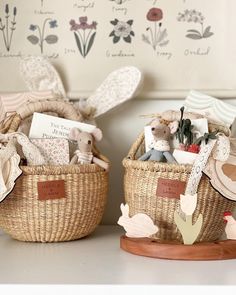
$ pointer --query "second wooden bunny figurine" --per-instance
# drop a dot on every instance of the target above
(85, 140)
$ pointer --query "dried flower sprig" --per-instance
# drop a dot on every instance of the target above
(184, 132)
(8, 27)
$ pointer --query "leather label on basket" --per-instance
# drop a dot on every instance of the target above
(170, 188)
(49, 190)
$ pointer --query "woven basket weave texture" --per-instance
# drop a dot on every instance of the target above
(140, 185)
(24, 217)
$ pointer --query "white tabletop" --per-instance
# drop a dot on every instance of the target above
(98, 259)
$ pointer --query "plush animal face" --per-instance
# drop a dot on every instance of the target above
(161, 130)
(84, 139)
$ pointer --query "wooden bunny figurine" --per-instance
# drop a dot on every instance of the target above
(85, 140)
(138, 226)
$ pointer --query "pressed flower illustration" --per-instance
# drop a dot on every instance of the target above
(84, 34)
(8, 27)
(40, 38)
(197, 18)
(157, 36)
(122, 30)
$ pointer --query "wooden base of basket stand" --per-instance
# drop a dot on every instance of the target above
(219, 250)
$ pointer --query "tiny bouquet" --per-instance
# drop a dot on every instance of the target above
(189, 140)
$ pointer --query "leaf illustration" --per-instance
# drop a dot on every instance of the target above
(130, 22)
(162, 36)
(207, 30)
(194, 36)
(116, 39)
(90, 44)
(112, 33)
(78, 44)
(194, 31)
(207, 33)
(114, 22)
(132, 33)
(33, 39)
(164, 43)
(51, 39)
(127, 39)
(146, 39)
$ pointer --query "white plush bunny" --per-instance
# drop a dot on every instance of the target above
(138, 226)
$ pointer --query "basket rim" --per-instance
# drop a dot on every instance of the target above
(61, 169)
(155, 166)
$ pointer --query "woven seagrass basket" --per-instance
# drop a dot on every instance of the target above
(24, 217)
(140, 185)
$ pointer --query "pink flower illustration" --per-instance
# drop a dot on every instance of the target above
(157, 36)
(84, 34)
(154, 14)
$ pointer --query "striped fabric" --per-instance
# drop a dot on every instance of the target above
(10, 102)
(210, 107)
(84, 157)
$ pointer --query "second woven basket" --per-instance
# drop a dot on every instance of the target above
(140, 186)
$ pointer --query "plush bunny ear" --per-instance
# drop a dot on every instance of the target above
(97, 133)
(173, 126)
(39, 74)
(74, 133)
(120, 85)
(124, 209)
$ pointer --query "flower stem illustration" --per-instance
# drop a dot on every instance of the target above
(84, 34)
(157, 36)
(122, 30)
(119, 1)
(42, 3)
(197, 18)
(41, 38)
(8, 27)
(189, 231)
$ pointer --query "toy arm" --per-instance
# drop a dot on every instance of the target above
(101, 163)
(74, 160)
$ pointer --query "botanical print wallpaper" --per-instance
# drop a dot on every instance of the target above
(177, 44)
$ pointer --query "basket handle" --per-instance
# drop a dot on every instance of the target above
(63, 109)
(135, 146)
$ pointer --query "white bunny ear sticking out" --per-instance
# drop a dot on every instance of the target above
(39, 74)
(121, 85)
(124, 209)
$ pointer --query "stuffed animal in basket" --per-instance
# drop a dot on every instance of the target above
(160, 147)
(85, 140)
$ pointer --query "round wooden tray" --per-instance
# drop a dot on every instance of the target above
(219, 250)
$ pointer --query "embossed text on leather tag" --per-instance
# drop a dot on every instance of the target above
(168, 188)
(49, 190)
